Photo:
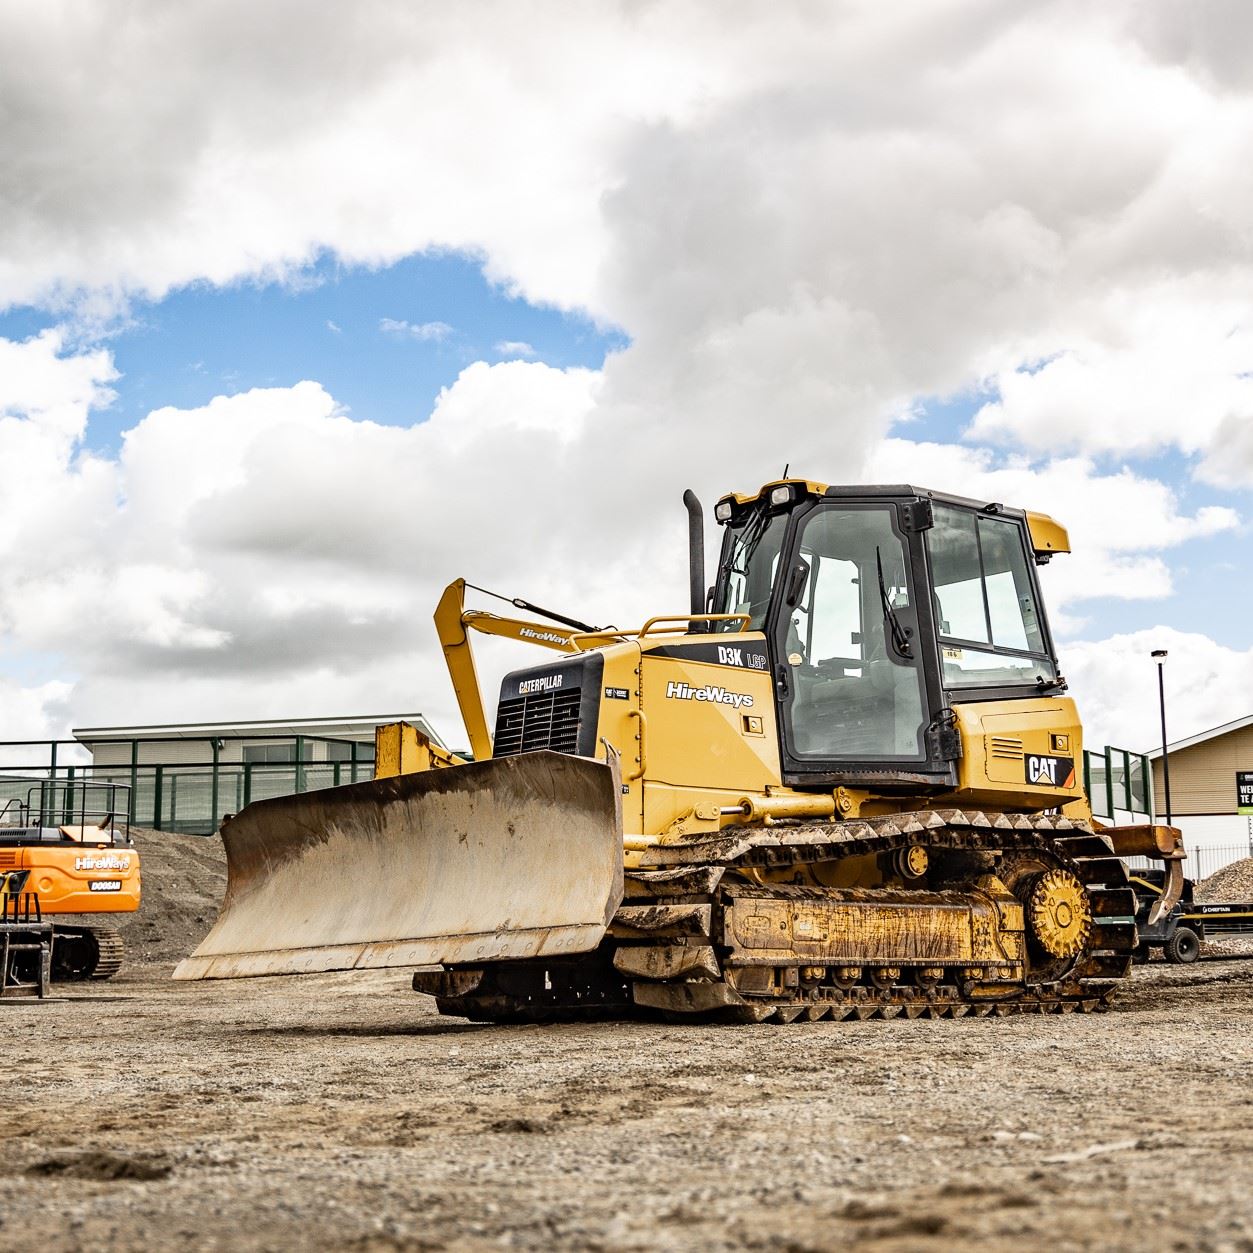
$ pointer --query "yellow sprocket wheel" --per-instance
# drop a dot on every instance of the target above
(1059, 913)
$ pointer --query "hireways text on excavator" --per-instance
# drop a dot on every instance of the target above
(846, 784)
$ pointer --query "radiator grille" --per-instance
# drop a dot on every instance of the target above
(540, 720)
(1005, 747)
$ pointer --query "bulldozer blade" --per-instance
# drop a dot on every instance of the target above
(508, 858)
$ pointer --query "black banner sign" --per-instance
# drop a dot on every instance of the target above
(1244, 791)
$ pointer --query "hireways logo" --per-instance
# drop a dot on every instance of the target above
(108, 861)
(714, 695)
(543, 637)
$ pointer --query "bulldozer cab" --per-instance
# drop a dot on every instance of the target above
(884, 608)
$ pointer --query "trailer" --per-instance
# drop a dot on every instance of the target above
(1179, 933)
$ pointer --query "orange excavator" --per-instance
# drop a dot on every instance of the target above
(66, 850)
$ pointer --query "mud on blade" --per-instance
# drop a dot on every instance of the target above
(515, 857)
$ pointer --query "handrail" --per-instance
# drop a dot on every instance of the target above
(642, 759)
(647, 628)
(21, 811)
(583, 639)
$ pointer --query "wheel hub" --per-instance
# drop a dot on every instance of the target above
(1059, 913)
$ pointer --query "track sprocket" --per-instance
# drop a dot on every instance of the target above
(1059, 913)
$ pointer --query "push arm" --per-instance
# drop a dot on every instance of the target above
(452, 624)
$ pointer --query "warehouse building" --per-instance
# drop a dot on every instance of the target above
(270, 741)
(188, 776)
(1211, 791)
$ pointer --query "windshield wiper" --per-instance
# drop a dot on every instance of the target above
(900, 640)
(742, 553)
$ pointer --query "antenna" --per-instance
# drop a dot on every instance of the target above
(786, 468)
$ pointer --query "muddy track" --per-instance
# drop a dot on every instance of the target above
(678, 948)
(340, 1111)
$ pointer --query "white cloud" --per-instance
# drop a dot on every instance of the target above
(333, 327)
(32, 712)
(1229, 461)
(56, 501)
(513, 397)
(247, 550)
(1168, 369)
(514, 348)
(1114, 682)
(420, 330)
(804, 219)
(251, 553)
(49, 389)
(264, 553)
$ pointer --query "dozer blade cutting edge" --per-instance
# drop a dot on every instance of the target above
(513, 857)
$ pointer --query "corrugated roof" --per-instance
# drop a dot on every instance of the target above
(1238, 725)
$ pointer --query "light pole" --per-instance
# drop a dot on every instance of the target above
(1159, 656)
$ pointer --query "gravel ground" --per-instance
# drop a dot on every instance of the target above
(340, 1111)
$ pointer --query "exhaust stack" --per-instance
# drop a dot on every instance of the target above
(695, 550)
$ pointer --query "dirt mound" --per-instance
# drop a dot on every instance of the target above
(1231, 883)
(184, 879)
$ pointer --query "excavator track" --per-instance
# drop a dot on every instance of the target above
(81, 953)
(696, 937)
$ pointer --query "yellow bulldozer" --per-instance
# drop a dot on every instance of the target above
(846, 783)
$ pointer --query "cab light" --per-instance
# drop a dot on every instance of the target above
(780, 495)
(722, 511)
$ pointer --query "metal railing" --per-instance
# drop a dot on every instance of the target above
(1201, 862)
(188, 797)
(1118, 782)
(73, 801)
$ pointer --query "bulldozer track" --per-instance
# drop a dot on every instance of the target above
(670, 950)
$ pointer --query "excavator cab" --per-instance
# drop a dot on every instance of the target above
(884, 608)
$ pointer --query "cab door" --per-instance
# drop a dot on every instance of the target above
(849, 655)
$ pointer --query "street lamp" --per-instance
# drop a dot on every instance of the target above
(1159, 656)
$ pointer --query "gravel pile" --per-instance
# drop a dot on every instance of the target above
(1231, 883)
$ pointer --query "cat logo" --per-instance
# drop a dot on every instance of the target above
(1051, 771)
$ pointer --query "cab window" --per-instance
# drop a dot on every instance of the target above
(986, 612)
(850, 642)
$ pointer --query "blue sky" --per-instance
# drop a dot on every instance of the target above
(327, 324)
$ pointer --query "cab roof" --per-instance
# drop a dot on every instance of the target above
(1047, 535)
